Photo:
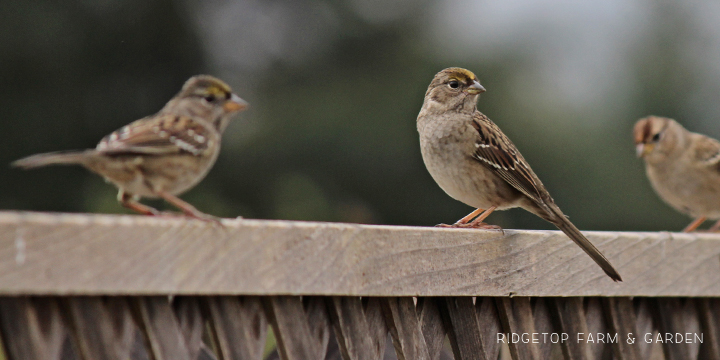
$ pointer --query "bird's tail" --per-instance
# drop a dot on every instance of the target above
(558, 219)
(53, 158)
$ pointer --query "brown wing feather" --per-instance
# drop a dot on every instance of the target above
(707, 150)
(161, 134)
(498, 153)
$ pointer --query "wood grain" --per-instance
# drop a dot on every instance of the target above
(405, 329)
(32, 328)
(431, 325)
(239, 326)
(461, 322)
(135, 255)
(102, 328)
(569, 315)
(295, 337)
(709, 314)
(164, 338)
(674, 318)
(516, 316)
(361, 331)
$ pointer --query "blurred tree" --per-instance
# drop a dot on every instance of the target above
(335, 87)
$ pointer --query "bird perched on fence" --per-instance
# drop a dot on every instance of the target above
(474, 162)
(162, 155)
(683, 167)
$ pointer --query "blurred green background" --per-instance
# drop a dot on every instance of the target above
(335, 87)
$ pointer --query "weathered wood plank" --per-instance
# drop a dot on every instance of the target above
(164, 338)
(137, 255)
(595, 315)
(543, 324)
(463, 328)
(489, 320)
(239, 326)
(102, 328)
(190, 322)
(645, 325)
(674, 318)
(431, 325)
(360, 330)
(402, 321)
(296, 339)
(709, 314)
(318, 319)
(569, 315)
(516, 316)
(32, 328)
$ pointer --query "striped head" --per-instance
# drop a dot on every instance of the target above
(655, 137)
(453, 89)
(206, 97)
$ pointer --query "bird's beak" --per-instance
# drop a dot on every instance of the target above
(235, 104)
(642, 149)
(475, 88)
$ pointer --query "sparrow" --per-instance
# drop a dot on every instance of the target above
(683, 167)
(162, 155)
(474, 162)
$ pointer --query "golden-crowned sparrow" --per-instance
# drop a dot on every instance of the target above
(683, 167)
(475, 163)
(162, 155)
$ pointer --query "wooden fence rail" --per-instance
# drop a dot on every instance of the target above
(131, 287)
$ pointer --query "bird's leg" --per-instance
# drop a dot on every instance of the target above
(478, 222)
(465, 219)
(695, 224)
(130, 202)
(186, 208)
(715, 228)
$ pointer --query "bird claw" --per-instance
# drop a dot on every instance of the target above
(200, 216)
(482, 225)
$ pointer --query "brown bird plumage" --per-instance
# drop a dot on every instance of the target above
(474, 162)
(162, 155)
(683, 167)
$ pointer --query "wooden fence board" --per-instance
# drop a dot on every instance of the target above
(239, 326)
(32, 328)
(708, 311)
(673, 318)
(360, 331)
(405, 328)
(517, 318)
(163, 336)
(570, 318)
(461, 322)
(102, 328)
(595, 315)
(138, 255)
(489, 321)
(295, 337)
(432, 326)
(543, 324)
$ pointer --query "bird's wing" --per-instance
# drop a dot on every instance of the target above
(158, 135)
(498, 153)
(707, 151)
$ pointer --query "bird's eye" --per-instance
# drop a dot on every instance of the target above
(210, 98)
(454, 84)
(656, 137)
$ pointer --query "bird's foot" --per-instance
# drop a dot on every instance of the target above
(199, 216)
(480, 225)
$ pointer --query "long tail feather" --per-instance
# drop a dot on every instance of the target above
(558, 219)
(54, 158)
